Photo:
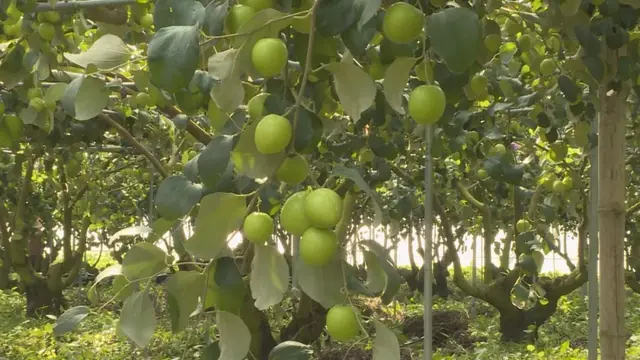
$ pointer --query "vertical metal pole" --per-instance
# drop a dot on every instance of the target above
(593, 251)
(428, 244)
(474, 274)
(294, 266)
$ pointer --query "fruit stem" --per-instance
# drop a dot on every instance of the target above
(307, 68)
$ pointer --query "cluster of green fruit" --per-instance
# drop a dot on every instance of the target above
(13, 25)
(312, 215)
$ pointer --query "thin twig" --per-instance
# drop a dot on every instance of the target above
(307, 68)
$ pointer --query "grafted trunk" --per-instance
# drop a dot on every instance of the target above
(41, 300)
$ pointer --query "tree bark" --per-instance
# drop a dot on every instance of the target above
(611, 216)
(41, 300)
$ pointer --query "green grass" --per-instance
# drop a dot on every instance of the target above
(563, 337)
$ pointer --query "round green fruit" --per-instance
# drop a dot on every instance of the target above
(547, 67)
(38, 104)
(143, 99)
(538, 258)
(255, 106)
(568, 182)
(498, 150)
(33, 93)
(292, 218)
(293, 170)
(427, 103)
(525, 42)
(558, 187)
(366, 156)
(49, 16)
(273, 134)
(47, 31)
(554, 43)
(342, 323)
(258, 227)
(492, 42)
(523, 225)
(269, 56)
(237, 16)
(512, 27)
(482, 174)
(323, 208)
(479, 85)
(402, 23)
(318, 246)
(259, 4)
(146, 20)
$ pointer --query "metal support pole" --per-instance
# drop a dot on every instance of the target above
(428, 246)
(593, 251)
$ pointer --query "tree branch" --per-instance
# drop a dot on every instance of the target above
(67, 211)
(125, 134)
(78, 5)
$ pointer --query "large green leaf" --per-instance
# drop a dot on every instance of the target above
(309, 130)
(12, 70)
(173, 55)
(376, 277)
(269, 276)
(395, 81)
(108, 52)
(70, 319)
(178, 13)
(393, 278)
(214, 16)
(235, 337)
(85, 97)
(226, 290)
(176, 196)
(322, 284)
(213, 160)
(385, 345)
(356, 38)
(353, 175)
(355, 88)
(219, 215)
(111, 271)
(291, 350)
(42, 119)
(249, 161)
(455, 35)
(229, 93)
(138, 318)
(183, 288)
(143, 260)
(335, 16)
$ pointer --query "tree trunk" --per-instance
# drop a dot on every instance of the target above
(43, 301)
(513, 326)
(611, 216)
(307, 324)
(5, 282)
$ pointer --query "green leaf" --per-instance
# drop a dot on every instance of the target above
(322, 284)
(160, 227)
(173, 55)
(394, 279)
(176, 196)
(213, 160)
(228, 94)
(385, 345)
(42, 119)
(221, 65)
(226, 289)
(355, 88)
(138, 318)
(265, 23)
(111, 271)
(177, 13)
(108, 52)
(85, 98)
(235, 337)
(183, 288)
(269, 276)
(55, 92)
(395, 80)
(369, 10)
(130, 231)
(356, 38)
(211, 352)
(249, 161)
(336, 16)
(376, 277)
(12, 70)
(291, 350)
(70, 319)
(353, 175)
(455, 35)
(143, 260)
(219, 215)
(308, 131)
(214, 15)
